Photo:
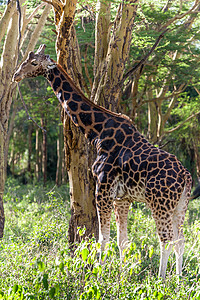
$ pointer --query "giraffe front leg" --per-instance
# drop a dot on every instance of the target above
(121, 213)
(104, 208)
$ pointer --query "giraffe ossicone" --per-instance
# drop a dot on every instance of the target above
(127, 167)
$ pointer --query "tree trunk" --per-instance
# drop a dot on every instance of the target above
(10, 130)
(107, 90)
(37, 163)
(152, 122)
(44, 151)
(59, 156)
(197, 157)
(9, 25)
(82, 186)
(2, 177)
(30, 130)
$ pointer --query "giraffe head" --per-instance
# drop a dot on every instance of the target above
(36, 64)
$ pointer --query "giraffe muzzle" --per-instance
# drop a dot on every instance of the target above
(16, 78)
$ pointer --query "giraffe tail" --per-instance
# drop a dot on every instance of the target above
(196, 193)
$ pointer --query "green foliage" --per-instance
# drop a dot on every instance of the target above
(36, 261)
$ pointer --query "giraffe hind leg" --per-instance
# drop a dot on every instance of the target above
(121, 208)
(165, 232)
(178, 220)
(165, 249)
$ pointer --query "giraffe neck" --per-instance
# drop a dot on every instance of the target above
(74, 102)
(90, 118)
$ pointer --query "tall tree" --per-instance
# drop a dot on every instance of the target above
(12, 39)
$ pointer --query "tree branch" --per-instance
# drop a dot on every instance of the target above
(196, 89)
(56, 5)
(33, 14)
(165, 29)
(182, 123)
(178, 17)
(10, 8)
(19, 28)
(37, 30)
(29, 117)
(144, 59)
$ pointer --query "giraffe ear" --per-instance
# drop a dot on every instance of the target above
(41, 49)
(31, 55)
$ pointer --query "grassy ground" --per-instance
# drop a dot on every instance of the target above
(35, 261)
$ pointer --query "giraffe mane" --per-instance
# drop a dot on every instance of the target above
(78, 90)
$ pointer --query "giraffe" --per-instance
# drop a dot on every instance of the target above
(127, 167)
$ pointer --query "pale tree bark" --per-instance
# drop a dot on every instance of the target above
(6, 69)
(30, 131)
(107, 89)
(102, 38)
(196, 146)
(37, 153)
(9, 25)
(44, 150)
(10, 129)
(10, 8)
(60, 146)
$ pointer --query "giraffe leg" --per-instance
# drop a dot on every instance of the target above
(178, 242)
(104, 208)
(121, 213)
(165, 250)
(178, 220)
(165, 233)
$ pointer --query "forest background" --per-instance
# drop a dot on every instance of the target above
(156, 85)
(163, 100)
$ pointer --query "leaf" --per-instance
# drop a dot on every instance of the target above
(95, 271)
(61, 267)
(41, 266)
(45, 281)
(15, 288)
(151, 251)
(52, 292)
(84, 253)
(160, 296)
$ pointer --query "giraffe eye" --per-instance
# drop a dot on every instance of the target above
(33, 63)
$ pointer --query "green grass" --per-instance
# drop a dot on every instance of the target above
(35, 261)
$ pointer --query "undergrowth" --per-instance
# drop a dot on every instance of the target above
(35, 260)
